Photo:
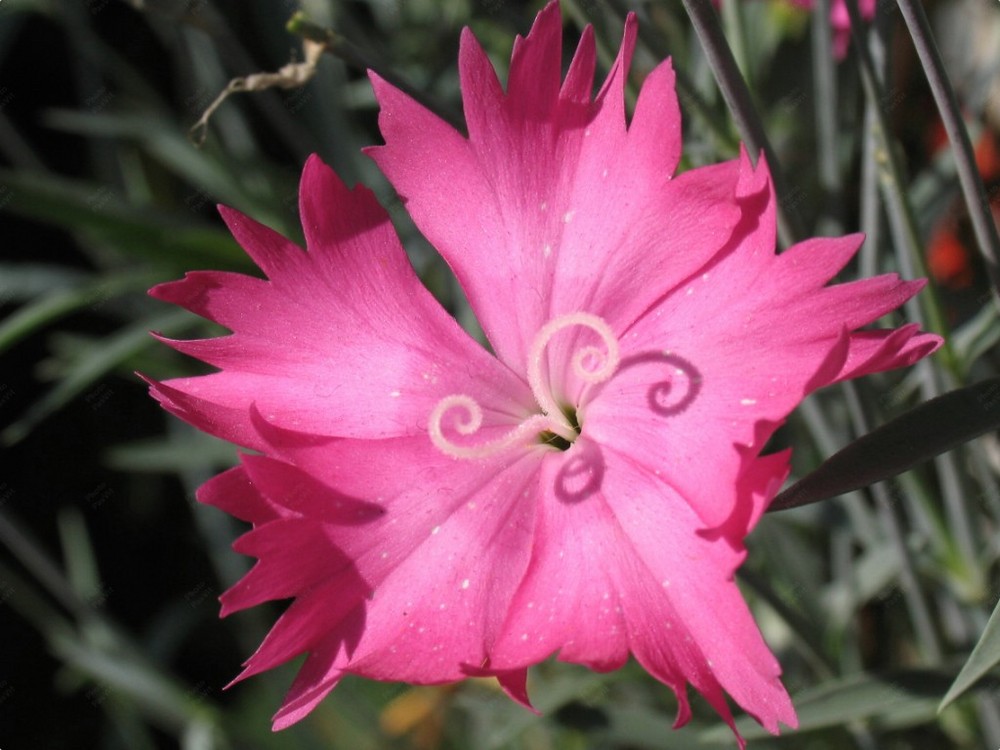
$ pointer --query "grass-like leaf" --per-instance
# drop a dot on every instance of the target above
(984, 657)
(895, 699)
(926, 431)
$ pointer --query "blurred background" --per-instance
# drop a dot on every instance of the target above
(110, 572)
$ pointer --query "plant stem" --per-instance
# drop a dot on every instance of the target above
(925, 309)
(871, 201)
(825, 83)
(342, 47)
(916, 602)
(741, 106)
(965, 161)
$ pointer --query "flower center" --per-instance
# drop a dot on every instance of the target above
(547, 437)
(556, 426)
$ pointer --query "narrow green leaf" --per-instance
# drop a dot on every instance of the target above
(650, 729)
(173, 237)
(984, 657)
(162, 699)
(172, 454)
(91, 365)
(235, 182)
(48, 308)
(890, 700)
(926, 431)
(20, 282)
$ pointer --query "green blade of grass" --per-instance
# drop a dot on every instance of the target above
(924, 432)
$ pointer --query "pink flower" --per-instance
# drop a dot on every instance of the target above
(841, 21)
(437, 511)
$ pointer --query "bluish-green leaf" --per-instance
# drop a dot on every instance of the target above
(891, 700)
(984, 657)
(928, 430)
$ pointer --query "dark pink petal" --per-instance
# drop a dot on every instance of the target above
(314, 681)
(877, 351)
(230, 423)
(341, 340)
(411, 584)
(329, 613)
(294, 555)
(233, 492)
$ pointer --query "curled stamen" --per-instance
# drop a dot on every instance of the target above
(602, 363)
(592, 364)
(471, 423)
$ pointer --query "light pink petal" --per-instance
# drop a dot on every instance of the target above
(713, 360)
(341, 340)
(559, 188)
(570, 600)
(620, 565)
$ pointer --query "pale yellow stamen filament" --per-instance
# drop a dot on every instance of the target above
(592, 364)
(606, 361)
(473, 421)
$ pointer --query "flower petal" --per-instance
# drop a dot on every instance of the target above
(560, 187)
(341, 340)
(711, 360)
(412, 585)
(619, 566)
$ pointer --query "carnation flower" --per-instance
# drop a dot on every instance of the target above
(436, 510)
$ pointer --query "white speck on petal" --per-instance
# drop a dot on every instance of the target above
(435, 530)
(568, 216)
(748, 401)
(395, 394)
(524, 636)
(543, 206)
(690, 290)
(465, 583)
(604, 173)
(547, 251)
(666, 584)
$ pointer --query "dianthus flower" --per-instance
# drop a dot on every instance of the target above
(438, 511)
